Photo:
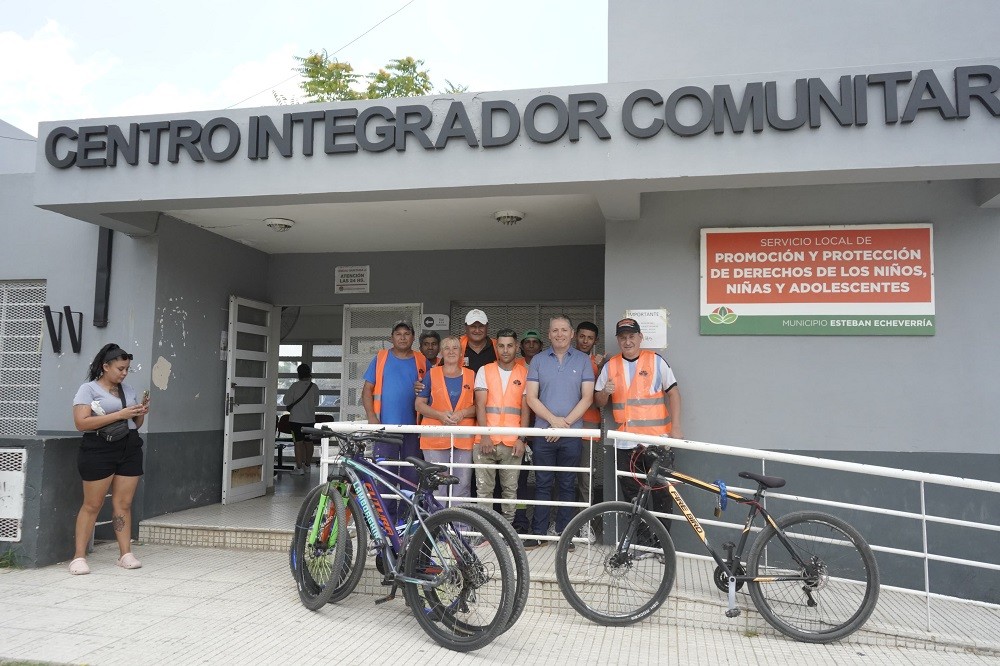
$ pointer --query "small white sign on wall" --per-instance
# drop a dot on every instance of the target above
(653, 324)
(435, 322)
(352, 279)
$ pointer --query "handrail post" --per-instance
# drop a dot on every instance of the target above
(927, 575)
(451, 468)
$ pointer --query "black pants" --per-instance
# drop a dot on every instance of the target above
(659, 500)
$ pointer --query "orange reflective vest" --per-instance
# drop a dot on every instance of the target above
(441, 401)
(635, 408)
(380, 362)
(465, 344)
(592, 417)
(503, 407)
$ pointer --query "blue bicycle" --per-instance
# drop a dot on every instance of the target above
(457, 572)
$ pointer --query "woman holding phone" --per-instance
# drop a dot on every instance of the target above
(108, 459)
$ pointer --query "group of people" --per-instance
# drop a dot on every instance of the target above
(475, 379)
(469, 380)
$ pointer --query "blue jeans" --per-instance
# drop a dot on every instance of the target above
(565, 452)
(393, 451)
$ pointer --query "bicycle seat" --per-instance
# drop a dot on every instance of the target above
(424, 468)
(766, 481)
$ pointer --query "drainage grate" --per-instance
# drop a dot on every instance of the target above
(13, 465)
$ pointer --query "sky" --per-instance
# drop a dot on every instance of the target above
(70, 60)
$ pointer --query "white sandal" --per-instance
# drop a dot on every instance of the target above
(78, 567)
(129, 561)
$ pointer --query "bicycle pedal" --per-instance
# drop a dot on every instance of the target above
(732, 612)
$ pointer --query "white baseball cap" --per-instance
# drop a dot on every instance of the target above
(474, 316)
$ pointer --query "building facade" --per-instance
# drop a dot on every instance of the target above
(838, 119)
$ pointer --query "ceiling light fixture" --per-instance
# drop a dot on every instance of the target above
(508, 217)
(279, 224)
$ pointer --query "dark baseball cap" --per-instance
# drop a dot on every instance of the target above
(531, 334)
(402, 323)
(627, 326)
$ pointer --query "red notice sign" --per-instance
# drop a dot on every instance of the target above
(850, 280)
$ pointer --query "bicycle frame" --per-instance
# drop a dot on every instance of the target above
(735, 555)
(363, 478)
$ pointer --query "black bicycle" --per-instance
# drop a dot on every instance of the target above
(456, 570)
(810, 575)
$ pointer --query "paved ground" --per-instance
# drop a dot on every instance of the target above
(205, 606)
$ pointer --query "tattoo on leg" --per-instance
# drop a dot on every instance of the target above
(118, 522)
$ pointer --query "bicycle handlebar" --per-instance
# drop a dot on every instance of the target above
(359, 437)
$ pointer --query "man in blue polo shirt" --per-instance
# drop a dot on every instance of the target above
(560, 389)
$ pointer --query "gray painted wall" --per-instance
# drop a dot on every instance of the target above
(654, 39)
(63, 252)
(824, 393)
(18, 150)
(199, 271)
(435, 279)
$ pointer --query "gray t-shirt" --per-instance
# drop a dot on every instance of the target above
(109, 403)
(304, 410)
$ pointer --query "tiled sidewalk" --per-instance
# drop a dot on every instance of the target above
(191, 605)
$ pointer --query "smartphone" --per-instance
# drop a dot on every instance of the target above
(145, 396)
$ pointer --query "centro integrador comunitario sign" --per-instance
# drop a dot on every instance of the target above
(844, 280)
(686, 111)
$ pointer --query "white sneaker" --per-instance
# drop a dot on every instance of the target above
(299, 471)
(587, 533)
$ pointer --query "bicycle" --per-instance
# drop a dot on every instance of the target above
(810, 575)
(357, 544)
(461, 588)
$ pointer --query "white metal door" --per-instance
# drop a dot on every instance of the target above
(367, 329)
(251, 387)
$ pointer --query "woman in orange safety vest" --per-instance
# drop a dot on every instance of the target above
(448, 399)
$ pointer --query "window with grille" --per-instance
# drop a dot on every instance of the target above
(324, 359)
(521, 316)
(21, 316)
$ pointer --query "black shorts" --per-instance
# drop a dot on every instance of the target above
(98, 459)
(296, 429)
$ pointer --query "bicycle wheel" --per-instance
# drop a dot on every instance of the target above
(319, 548)
(355, 550)
(837, 588)
(625, 574)
(300, 525)
(470, 600)
(518, 555)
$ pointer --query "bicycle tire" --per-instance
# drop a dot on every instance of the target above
(355, 550)
(299, 525)
(471, 608)
(845, 587)
(320, 563)
(598, 582)
(518, 555)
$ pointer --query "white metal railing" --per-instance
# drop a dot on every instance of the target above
(346, 428)
(922, 478)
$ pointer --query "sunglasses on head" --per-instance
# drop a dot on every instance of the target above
(115, 354)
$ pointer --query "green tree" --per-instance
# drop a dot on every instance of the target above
(326, 79)
(400, 78)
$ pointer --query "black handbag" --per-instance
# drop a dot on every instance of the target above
(117, 431)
